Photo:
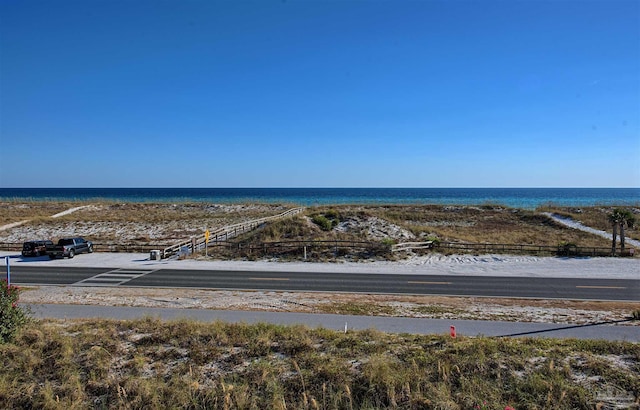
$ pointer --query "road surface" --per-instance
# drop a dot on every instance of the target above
(477, 286)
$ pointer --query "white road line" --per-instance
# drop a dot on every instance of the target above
(115, 277)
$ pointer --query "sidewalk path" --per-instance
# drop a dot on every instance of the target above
(566, 221)
(59, 214)
(349, 322)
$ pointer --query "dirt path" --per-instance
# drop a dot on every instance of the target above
(69, 211)
(24, 221)
(577, 225)
(13, 225)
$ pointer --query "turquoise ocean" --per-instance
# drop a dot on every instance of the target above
(527, 198)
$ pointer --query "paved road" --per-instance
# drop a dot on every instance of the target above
(489, 286)
(340, 322)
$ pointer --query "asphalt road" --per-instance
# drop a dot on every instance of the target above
(487, 286)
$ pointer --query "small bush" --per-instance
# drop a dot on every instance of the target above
(12, 316)
(388, 241)
(322, 222)
(327, 220)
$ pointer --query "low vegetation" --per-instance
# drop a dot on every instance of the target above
(126, 223)
(594, 216)
(12, 316)
(183, 364)
(395, 224)
(16, 211)
(167, 223)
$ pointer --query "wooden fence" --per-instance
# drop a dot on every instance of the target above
(98, 247)
(411, 246)
(301, 248)
(224, 234)
(560, 250)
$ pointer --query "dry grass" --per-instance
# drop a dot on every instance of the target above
(109, 222)
(183, 364)
(212, 215)
(14, 211)
(596, 217)
(486, 224)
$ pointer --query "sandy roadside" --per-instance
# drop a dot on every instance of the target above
(437, 307)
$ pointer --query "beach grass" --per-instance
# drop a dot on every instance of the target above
(486, 224)
(112, 222)
(16, 211)
(149, 363)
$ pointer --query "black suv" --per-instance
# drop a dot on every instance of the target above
(35, 248)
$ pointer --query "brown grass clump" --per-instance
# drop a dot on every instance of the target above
(184, 364)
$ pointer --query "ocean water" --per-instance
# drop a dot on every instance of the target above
(527, 198)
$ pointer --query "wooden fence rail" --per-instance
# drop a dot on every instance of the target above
(561, 250)
(198, 243)
(98, 247)
(299, 247)
(410, 246)
(241, 248)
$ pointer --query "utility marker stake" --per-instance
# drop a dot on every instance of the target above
(345, 327)
(6, 259)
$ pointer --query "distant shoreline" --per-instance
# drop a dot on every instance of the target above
(525, 198)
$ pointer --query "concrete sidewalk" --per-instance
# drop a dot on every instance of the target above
(433, 264)
(349, 322)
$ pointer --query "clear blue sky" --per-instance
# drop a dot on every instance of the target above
(335, 93)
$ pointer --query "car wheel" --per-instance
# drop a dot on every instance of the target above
(91, 249)
(71, 254)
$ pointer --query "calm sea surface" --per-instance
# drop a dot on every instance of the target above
(528, 198)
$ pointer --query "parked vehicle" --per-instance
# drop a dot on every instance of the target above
(69, 247)
(35, 248)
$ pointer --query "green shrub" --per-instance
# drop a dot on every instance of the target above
(388, 241)
(327, 220)
(12, 316)
(322, 222)
(332, 215)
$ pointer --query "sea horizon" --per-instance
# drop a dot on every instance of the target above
(528, 198)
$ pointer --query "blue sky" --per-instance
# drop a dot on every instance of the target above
(319, 93)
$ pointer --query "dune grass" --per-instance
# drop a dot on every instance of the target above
(476, 224)
(15, 211)
(594, 216)
(162, 212)
(486, 224)
(148, 363)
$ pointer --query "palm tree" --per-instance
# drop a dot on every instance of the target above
(621, 218)
(627, 219)
(614, 219)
